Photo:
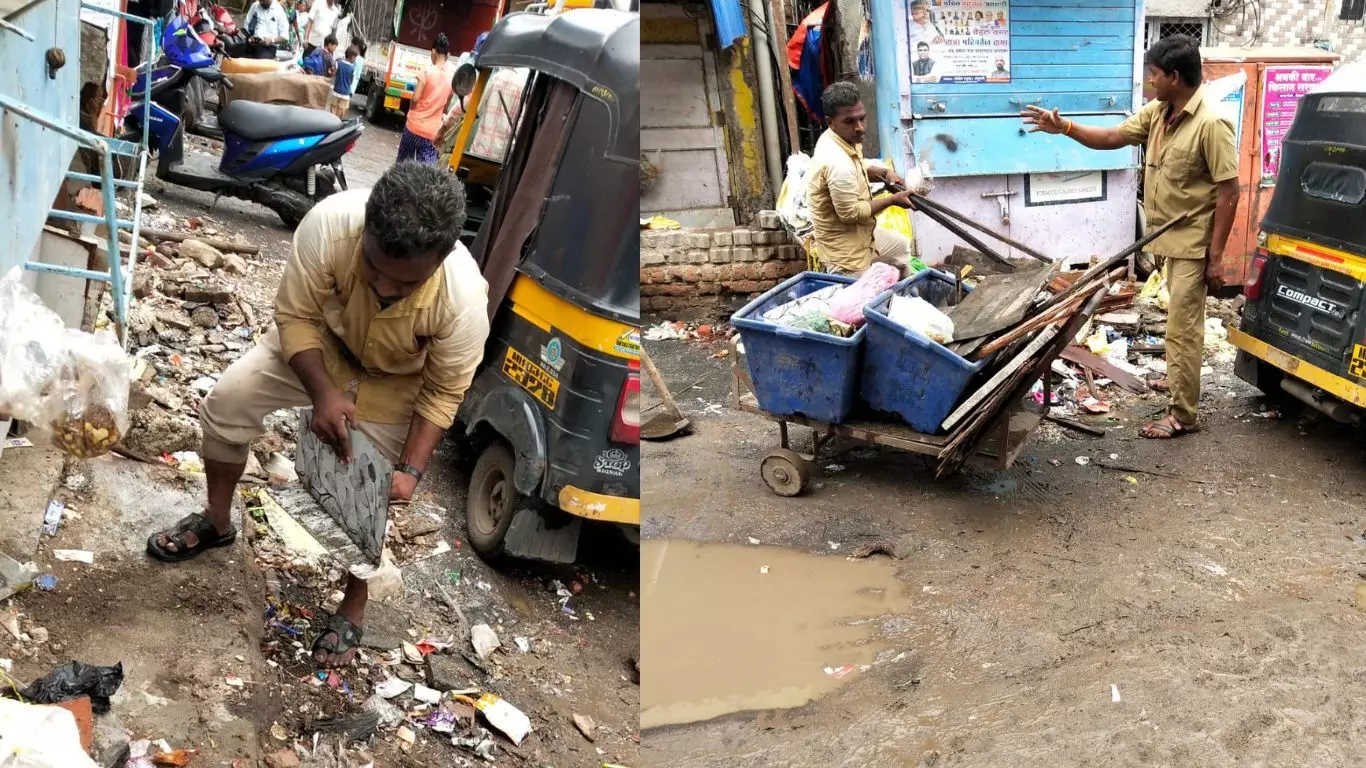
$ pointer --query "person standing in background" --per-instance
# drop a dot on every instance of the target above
(427, 113)
(298, 20)
(339, 100)
(322, 21)
(1192, 169)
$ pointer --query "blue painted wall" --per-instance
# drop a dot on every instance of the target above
(1075, 55)
(33, 159)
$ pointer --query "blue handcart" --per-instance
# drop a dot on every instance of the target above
(992, 433)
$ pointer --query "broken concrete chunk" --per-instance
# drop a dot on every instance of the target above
(586, 726)
(201, 252)
(205, 317)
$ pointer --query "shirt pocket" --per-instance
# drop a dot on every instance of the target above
(1181, 166)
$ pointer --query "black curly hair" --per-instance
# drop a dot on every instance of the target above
(416, 211)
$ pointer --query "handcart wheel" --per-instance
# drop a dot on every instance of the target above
(786, 472)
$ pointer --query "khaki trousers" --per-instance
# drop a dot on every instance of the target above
(257, 385)
(1185, 335)
(888, 248)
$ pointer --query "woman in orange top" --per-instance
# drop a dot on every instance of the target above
(428, 109)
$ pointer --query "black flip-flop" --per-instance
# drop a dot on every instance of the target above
(348, 637)
(195, 523)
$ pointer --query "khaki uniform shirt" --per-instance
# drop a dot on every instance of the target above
(841, 205)
(417, 355)
(1184, 164)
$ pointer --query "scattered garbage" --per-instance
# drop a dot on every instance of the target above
(505, 717)
(40, 737)
(46, 582)
(1114, 693)
(75, 679)
(392, 687)
(484, 641)
(841, 671)
(74, 555)
(922, 317)
(1083, 460)
(52, 518)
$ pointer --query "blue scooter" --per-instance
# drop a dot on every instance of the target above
(283, 157)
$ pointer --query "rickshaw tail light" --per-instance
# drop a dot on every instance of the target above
(1252, 289)
(626, 424)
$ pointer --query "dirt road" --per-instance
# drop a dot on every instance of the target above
(1053, 615)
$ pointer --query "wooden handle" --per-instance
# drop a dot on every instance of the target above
(658, 382)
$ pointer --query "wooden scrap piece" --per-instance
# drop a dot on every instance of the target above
(1086, 359)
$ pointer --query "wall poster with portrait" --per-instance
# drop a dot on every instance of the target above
(959, 41)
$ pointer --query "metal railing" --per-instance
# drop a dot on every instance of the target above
(108, 148)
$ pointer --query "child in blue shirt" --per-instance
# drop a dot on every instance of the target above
(339, 100)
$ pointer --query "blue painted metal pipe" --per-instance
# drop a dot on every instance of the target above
(62, 269)
(888, 71)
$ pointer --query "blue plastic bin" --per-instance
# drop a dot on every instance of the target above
(796, 371)
(906, 373)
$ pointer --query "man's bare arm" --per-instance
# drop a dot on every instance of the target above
(423, 437)
(1091, 136)
(308, 365)
(1225, 205)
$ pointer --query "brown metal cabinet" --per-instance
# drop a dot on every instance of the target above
(1276, 79)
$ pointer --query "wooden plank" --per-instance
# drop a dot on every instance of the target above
(998, 302)
(1021, 13)
(1084, 55)
(1065, 44)
(1002, 375)
(1070, 29)
(1077, 425)
(1084, 357)
(1062, 70)
(1019, 85)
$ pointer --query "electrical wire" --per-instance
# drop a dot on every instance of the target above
(1224, 10)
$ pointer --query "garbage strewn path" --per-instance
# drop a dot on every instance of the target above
(1059, 614)
(203, 669)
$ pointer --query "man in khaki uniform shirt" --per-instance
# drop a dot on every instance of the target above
(380, 323)
(843, 211)
(1192, 167)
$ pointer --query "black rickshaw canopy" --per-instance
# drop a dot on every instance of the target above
(566, 209)
(1321, 180)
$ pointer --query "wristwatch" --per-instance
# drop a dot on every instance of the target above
(409, 469)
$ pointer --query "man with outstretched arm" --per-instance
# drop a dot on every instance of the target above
(381, 320)
(1191, 166)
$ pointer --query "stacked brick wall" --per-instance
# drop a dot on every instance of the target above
(700, 272)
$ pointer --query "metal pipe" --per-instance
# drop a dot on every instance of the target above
(112, 12)
(137, 227)
(93, 179)
(20, 31)
(62, 269)
(86, 218)
(768, 108)
(111, 226)
(85, 138)
(1335, 409)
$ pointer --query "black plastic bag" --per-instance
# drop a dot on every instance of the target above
(73, 680)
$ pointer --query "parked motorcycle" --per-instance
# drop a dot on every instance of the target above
(283, 157)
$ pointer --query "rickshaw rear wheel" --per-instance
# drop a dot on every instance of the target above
(492, 500)
(786, 472)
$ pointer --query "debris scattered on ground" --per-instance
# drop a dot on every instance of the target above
(586, 726)
(75, 679)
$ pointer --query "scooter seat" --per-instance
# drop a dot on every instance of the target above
(258, 122)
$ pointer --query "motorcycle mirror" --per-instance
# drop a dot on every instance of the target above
(463, 80)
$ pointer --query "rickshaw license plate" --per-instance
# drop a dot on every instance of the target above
(532, 377)
(391, 102)
(1281, 360)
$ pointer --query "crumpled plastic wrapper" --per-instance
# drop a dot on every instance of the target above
(71, 384)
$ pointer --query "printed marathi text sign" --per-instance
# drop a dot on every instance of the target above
(959, 41)
(1282, 89)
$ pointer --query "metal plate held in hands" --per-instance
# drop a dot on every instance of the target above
(356, 495)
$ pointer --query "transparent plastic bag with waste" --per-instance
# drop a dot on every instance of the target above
(66, 382)
(922, 317)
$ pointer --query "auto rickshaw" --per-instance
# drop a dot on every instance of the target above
(554, 413)
(1303, 329)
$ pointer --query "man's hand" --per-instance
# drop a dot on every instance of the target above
(1214, 270)
(1047, 121)
(892, 178)
(401, 486)
(333, 415)
(903, 199)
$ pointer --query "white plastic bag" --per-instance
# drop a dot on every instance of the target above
(32, 736)
(70, 383)
(922, 317)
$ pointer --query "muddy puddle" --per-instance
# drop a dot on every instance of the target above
(728, 628)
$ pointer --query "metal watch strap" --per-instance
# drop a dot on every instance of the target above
(408, 469)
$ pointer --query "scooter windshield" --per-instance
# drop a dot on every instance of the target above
(183, 47)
